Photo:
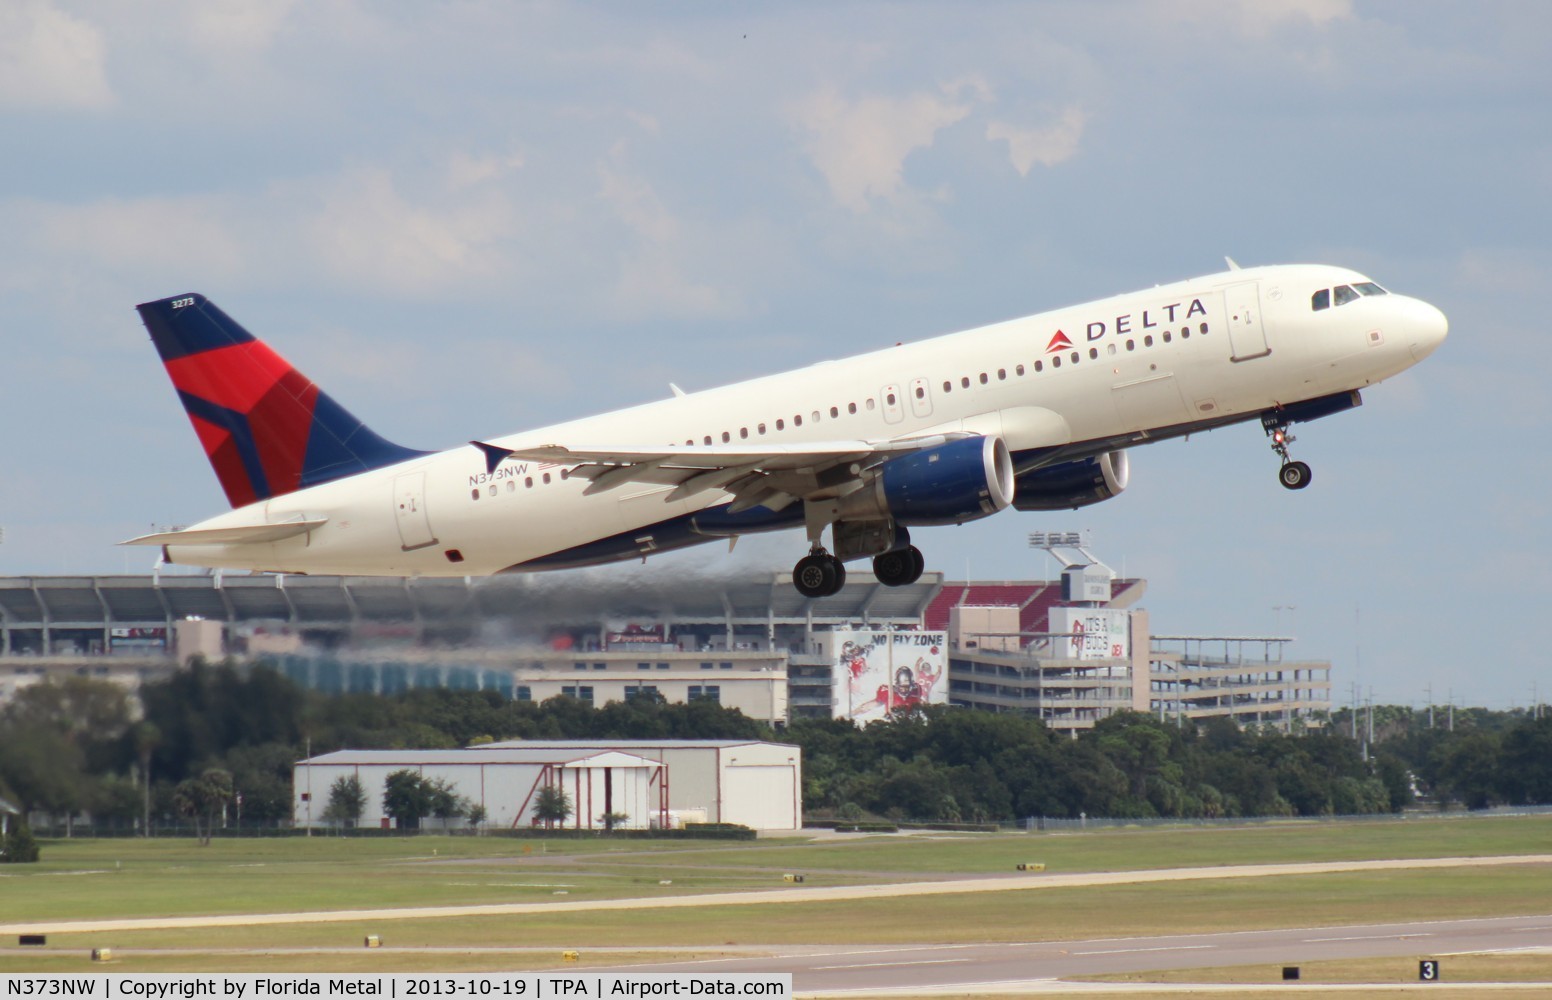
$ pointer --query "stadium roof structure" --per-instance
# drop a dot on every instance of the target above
(1033, 599)
(558, 599)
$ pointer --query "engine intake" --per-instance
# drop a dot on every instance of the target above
(953, 483)
(1070, 485)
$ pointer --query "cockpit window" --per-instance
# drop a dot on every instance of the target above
(1345, 294)
(1321, 300)
(1369, 288)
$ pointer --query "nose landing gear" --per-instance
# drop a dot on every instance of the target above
(1293, 475)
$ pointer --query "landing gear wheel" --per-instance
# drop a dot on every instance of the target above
(1294, 475)
(900, 567)
(818, 574)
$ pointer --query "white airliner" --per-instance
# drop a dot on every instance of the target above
(1035, 413)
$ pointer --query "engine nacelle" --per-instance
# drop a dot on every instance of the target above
(953, 483)
(1071, 485)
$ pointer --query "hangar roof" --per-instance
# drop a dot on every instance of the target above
(593, 755)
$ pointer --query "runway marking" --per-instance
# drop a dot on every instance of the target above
(1369, 937)
(892, 965)
(1130, 951)
(751, 897)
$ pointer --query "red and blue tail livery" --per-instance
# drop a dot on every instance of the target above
(267, 429)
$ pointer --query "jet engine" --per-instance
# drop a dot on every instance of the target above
(1072, 484)
(953, 483)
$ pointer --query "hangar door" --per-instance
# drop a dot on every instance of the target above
(762, 796)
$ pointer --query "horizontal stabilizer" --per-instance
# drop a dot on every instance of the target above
(248, 534)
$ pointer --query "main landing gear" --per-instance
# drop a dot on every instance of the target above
(819, 574)
(1293, 475)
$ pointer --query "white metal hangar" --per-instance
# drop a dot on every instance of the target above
(504, 782)
(749, 782)
(654, 783)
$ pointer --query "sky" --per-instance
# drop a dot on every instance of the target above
(465, 219)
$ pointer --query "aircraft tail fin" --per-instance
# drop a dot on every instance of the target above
(267, 429)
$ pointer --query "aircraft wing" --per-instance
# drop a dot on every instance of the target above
(772, 476)
(240, 535)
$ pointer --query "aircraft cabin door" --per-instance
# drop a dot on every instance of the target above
(921, 398)
(1247, 337)
(894, 406)
(409, 499)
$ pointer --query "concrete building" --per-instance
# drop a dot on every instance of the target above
(1070, 651)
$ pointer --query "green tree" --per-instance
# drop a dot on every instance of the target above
(202, 798)
(408, 798)
(19, 847)
(552, 805)
(347, 800)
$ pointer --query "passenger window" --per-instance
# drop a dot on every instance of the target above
(868, 402)
(1131, 345)
(1056, 362)
(528, 480)
(1039, 366)
(1185, 332)
(1019, 371)
(983, 378)
(726, 437)
(743, 433)
(1321, 300)
(797, 420)
(511, 485)
(1076, 357)
(1093, 353)
(851, 407)
(1203, 329)
(948, 387)
(964, 383)
(546, 479)
(1002, 374)
(760, 428)
(492, 489)
(921, 392)
(1166, 336)
(780, 425)
(835, 411)
(708, 439)
(1110, 349)
(890, 399)
(815, 416)
(1148, 340)
(474, 493)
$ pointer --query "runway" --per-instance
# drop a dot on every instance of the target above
(794, 895)
(1035, 966)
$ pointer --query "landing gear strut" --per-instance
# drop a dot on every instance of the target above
(1293, 475)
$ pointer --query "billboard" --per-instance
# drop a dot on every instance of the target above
(875, 672)
(1090, 634)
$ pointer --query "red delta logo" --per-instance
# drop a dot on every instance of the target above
(1058, 343)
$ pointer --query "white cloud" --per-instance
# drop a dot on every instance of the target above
(50, 59)
(1047, 145)
(654, 274)
(860, 146)
(1259, 18)
(190, 234)
(370, 234)
(236, 25)
(466, 170)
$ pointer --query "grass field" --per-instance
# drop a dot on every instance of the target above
(95, 879)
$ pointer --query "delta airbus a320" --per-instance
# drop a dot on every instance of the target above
(1033, 413)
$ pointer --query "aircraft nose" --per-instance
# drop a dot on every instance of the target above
(1426, 327)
